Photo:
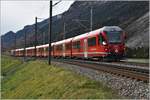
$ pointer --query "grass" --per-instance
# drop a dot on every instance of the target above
(8, 64)
(37, 80)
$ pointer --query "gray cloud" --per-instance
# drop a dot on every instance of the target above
(16, 14)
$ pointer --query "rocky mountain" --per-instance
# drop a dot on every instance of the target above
(132, 16)
(139, 32)
(7, 37)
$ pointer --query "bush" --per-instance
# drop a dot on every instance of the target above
(140, 52)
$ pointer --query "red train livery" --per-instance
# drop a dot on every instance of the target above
(106, 42)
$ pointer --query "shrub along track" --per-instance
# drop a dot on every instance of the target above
(134, 72)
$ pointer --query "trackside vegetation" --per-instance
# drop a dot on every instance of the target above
(37, 80)
(9, 64)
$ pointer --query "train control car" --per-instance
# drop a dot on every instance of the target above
(113, 38)
(106, 42)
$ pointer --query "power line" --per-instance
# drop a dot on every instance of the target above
(25, 46)
(56, 3)
(78, 21)
(91, 20)
(50, 28)
(35, 51)
(50, 31)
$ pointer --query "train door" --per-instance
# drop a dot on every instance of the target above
(63, 49)
(85, 48)
(44, 52)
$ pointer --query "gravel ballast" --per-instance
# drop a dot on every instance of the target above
(126, 87)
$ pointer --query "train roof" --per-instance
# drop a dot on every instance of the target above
(111, 28)
(45, 45)
(30, 48)
(68, 40)
(19, 49)
(40, 46)
(97, 31)
(60, 42)
(86, 34)
(63, 41)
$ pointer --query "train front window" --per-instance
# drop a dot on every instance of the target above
(101, 39)
(114, 36)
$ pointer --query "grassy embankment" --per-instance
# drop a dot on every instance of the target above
(9, 65)
(35, 79)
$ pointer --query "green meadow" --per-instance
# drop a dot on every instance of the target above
(37, 80)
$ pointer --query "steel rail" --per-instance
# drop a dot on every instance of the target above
(118, 65)
(121, 71)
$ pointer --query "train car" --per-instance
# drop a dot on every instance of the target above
(40, 51)
(30, 51)
(106, 42)
(62, 48)
(52, 49)
(59, 49)
(16, 52)
(19, 52)
(67, 48)
(46, 49)
(12, 52)
(78, 46)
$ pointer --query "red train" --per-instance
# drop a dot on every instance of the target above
(107, 42)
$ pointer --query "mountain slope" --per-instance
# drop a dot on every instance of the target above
(139, 32)
(126, 14)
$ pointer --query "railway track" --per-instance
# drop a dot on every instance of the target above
(124, 70)
(136, 72)
(133, 63)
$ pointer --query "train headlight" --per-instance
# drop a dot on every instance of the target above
(104, 43)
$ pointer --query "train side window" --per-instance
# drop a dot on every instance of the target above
(101, 39)
(46, 48)
(59, 47)
(92, 41)
(76, 45)
(40, 49)
(68, 46)
(52, 48)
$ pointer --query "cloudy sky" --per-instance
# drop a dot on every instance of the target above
(16, 14)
